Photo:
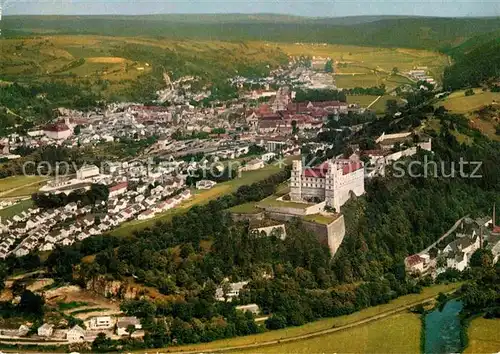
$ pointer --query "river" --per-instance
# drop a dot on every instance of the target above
(442, 329)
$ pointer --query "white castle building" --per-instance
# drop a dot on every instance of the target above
(334, 182)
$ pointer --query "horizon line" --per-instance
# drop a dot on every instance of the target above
(248, 14)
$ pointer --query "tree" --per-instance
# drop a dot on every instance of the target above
(295, 130)
(329, 66)
(481, 258)
(391, 107)
(469, 92)
(130, 330)
(276, 322)
(102, 343)
(77, 130)
(395, 71)
(3, 275)
(31, 303)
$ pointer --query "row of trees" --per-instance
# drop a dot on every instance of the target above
(96, 193)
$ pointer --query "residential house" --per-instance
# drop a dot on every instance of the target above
(253, 308)
(234, 291)
(253, 165)
(100, 323)
(124, 322)
(118, 189)
(205, 184)
(76, 334)
(46, 330)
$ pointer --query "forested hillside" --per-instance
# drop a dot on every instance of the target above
(413, 32)
(476, 62)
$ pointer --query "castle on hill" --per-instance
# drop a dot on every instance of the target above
(334, 182)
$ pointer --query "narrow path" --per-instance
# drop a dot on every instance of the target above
(452, 229)
(374, 101)
(304, 336)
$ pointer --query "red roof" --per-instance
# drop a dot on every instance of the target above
(321, 170)
(118, 186)
(413, 260)
(351, 167)
(496, 230)
(318, 171)
(375, 152)
(58, 127)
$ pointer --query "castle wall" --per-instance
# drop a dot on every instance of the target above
(331, 235)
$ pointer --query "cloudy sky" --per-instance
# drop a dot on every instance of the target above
(322, 8)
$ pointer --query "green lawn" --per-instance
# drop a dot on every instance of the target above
(9, 183)
(272, 201)
(484, 336)
(321, 218)
(457, 102)
(321, 325)
(15, 209)
(247, 208)
(396, 334)
(199, 198)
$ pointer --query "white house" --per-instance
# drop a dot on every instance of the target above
(118, 189)
(234, 291)
(76, 334)
(45, 330)
(102, 322)
(124, 322)
(253, 165)
(253, 308)
(205, 184)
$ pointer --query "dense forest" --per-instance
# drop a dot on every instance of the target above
(365, 30)
(476, 63)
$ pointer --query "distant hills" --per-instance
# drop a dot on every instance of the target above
(387, 31)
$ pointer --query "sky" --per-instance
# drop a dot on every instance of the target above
(314, 8)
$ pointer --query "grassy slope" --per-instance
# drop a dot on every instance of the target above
(484, 336)
(16, 209)
(9, 183)
(200, 197)
(395, 334)
(320, 325)
(457, 102)
(114, 64)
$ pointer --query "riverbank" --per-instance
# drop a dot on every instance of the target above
(483, 336)
(318, 328)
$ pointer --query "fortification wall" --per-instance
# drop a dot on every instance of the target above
(331, 235)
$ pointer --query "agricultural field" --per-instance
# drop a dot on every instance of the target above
(7, 185)
(112, 65)
(470, 106)
(371, 66)
(396, 334)
(200, 197)
(457, 102)
(329, 323)
(484, 336)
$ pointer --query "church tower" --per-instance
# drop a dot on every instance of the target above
(296, 181)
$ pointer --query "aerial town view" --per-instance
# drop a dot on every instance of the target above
(249, 177)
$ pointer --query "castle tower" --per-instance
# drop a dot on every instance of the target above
(331, 186)
(296, 181)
